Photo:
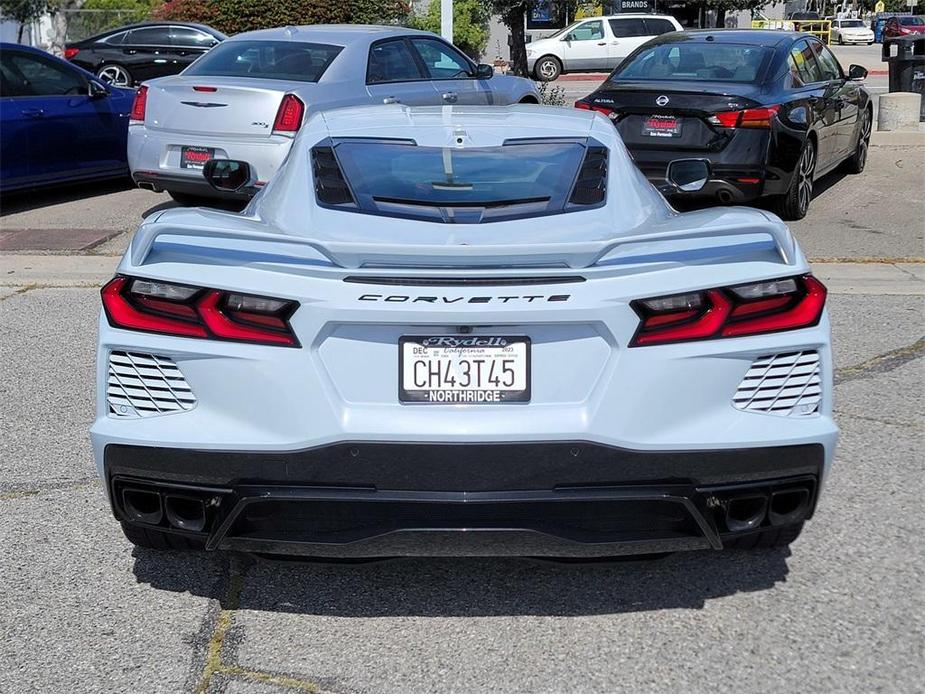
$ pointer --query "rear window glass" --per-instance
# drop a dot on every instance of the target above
(722, 62)
(472, 185)
(275, 60)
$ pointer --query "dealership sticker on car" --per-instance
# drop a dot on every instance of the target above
(661, 126)
(464, 369)
(195, 157)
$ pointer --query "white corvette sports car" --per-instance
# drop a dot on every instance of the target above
(463, 331)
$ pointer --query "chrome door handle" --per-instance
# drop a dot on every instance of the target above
(450, 97)
(391, 100)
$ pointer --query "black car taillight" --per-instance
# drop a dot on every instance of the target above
(749, 118)
(747, 309)
(175, 309)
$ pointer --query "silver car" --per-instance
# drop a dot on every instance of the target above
(247, 97)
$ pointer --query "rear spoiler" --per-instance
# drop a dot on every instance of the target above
(365, 254)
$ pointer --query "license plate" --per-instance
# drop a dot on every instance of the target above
(463, 369)
(195, 157)
(661, 126)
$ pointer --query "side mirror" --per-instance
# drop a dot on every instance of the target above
(857, 73)
(95, 90)
(688, 175)
(484, 72)
(228, 175)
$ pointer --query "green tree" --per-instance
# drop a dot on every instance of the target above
(470, 24)
(23, 11)
(513, 14)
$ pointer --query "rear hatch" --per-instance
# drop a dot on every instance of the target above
(216, 106)
(673, 115)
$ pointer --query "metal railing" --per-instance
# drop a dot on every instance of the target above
(820, 28)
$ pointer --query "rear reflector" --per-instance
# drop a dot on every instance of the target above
(749, 118)
(751, 309)
(70, 53)
(184, 311)
(289, 115)
(139, 105)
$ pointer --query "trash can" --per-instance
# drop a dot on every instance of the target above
(906, 58)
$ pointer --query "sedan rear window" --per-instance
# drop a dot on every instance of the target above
(274, 60)
(522, 178)
(719, 62)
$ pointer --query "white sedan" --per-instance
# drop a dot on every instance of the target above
(845, 31)
(463, 331)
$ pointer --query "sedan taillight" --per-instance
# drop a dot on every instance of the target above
(747, 309)
(749, 118)
(174, 309)
(289, 116)
(70, 53)
(139, 105)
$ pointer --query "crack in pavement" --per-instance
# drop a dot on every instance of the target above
(882, 363)
(215, 664)
(26, 492)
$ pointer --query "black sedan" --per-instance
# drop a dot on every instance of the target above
(128, 55)
(770, 111)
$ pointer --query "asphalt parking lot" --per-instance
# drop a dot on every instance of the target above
(842, 610)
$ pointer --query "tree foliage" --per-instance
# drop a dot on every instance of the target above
(235, 16)
(23, 11)
(470, 24)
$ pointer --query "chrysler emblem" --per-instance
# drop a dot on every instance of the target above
(662, 100)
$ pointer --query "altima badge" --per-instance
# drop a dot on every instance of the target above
(662, 100)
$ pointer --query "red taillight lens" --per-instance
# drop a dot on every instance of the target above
(289, 115)
(749, 118)
(584, 106)
(139, 104)
(173, 309)
(70, 53)
(751, 309)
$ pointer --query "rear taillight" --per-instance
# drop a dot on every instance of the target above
(747, 309)
(174, 309)
(289, 116)
(139, 105)
(749, 118)
(585, 106)
(70, 53)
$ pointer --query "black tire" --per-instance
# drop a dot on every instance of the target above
(856, 162)
(773, 538)
(156, 539)
(794, 204)
(547, 69)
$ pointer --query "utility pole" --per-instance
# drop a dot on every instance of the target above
(446, 19)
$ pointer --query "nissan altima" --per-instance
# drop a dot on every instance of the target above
(772, 111)
(462, 331)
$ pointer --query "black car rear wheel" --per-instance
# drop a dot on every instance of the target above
(116, 75)
(856, 162)
(794, 204)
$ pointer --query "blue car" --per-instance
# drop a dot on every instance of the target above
(58, 123)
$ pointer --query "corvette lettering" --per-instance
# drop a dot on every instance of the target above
(403, 298)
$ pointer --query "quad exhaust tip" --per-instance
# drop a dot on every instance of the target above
(185, 512)
(746, 512)
(788, 506)
(142, 505)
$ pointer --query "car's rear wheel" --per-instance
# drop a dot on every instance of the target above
(766, 539)
(547, 69)
(794, 204)
(116, 75)
(856, 162)
(157, 539)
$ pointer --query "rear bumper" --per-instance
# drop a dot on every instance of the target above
(559, 498)
(189, 185)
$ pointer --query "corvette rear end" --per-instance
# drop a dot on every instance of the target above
(475, 343)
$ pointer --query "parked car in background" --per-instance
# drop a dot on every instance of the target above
(594, 44)
(129, 55)
(248, 97)
(903, 26)
(771, 111)
(851, 31)
(58, 123)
